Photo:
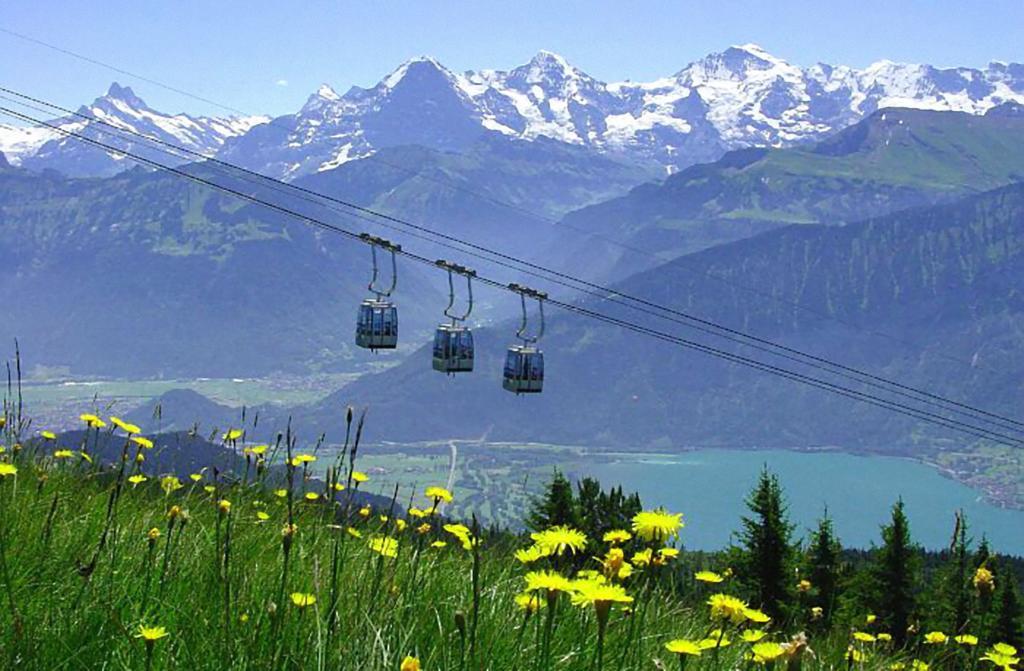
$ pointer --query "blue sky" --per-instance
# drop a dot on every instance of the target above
(267, 57)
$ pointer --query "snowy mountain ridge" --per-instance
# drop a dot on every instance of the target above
(40, 147)
(740, 97)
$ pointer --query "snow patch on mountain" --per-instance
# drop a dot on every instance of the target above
(41, 147)
(740, 97)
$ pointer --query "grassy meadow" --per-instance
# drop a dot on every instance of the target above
(110, 566)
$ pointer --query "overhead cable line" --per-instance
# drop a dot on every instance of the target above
(561, 223)
(939, 420)
(605, 293)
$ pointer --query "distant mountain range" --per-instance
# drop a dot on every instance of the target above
(144, 274)
(740, 97)
(40, 148)
(941, 283)
(891, 160)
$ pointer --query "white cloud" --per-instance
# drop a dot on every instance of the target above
(281, 82)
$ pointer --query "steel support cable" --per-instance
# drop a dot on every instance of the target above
(605, 293)
(922, 415)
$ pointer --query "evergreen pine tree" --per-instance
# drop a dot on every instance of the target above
(822, 562)
(555, 506)
(767, 552)
(895, 578)
(1009, 620)
(983, 553)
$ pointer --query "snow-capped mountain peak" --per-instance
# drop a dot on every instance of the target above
(739, 97)
(120, 108)
(327, 93)
(420, 66)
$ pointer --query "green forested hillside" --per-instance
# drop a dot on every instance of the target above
(145, 274)
(894, 159)
(930, 297)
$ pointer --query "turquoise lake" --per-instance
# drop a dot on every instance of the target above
(709, 487)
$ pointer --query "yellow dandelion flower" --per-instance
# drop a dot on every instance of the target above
(599, 594)
(438, 494)
(359, 476)
(209, 489)
(125, 426)
(410, 663)
(63, 454)
(48, 435)
(1004, 649)
(423, 528)
(312, 496)
(726, 607)
(170, 484)
(682, 646)
(262, 516)
(153, 534)
(551, 582)
(754, 615)
(530, 601)
(8, 469)
(364, 511)
(753, 635)
(803, 586)
(668, 553)
(386, 546)
(967, 639)
(766, 652)
(616, 536)
(657, 525)
(643, 558)
(716, 639)
(354, 533)
(438, 544)
(557, 540)
(232, 435)
(708, 577)
(280, 493)
(984, 580)
(338, 487)
(143, 442)
(195, 477)
(418, 513)
(85, 456)
(884, 637)
(224, 506)
(151, 634)
(303, 600)
(864, 637)
(935, 638)
(137, 479)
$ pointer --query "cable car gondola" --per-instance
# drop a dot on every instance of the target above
(524, 364)
(377, 322)
(453, 343)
